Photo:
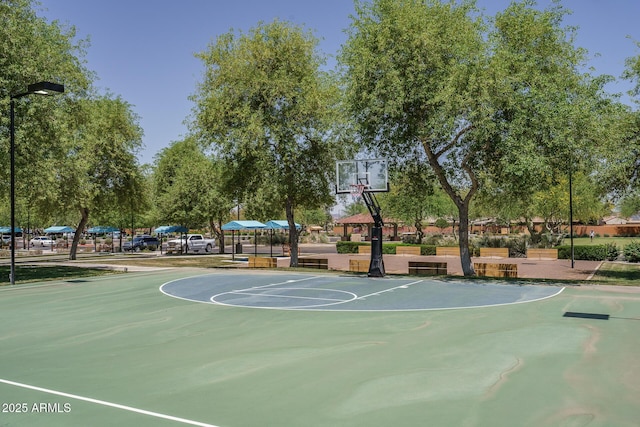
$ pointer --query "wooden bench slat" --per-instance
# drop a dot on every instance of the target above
(423, 268)
(494, 252)
(495, 270)
(359, 265)
(542, 253)
(320, 263)
(263, 262)
(407, 250)
(448, 251)
(364, 249)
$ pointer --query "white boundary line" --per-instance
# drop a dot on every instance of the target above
(302, 307)
(317, 307)
(391, 289)
(104, 403)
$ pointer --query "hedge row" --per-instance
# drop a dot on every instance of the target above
(387, 248)
(608, 252)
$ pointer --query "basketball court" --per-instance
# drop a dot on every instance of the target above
(349, 293)
(236, 348)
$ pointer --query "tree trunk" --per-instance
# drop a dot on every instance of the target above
(218, 232)
(460, 202)
(84, 218)
(420, 232)
(463, 233)
(293, 235)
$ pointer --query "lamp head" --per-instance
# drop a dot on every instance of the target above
(45, 88)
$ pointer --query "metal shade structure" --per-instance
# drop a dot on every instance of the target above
(243, 225)
(99, 229)
(238, 225)
(278, 225)
(59, 229)
(166, 229)
(7, 230)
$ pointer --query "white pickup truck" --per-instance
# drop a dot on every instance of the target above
(194, 243)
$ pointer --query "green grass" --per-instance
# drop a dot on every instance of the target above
(586, 241)
(173, 261)
(611, 273)
(33, 273)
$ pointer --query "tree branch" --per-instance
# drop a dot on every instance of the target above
(439, 171)
(454, 141)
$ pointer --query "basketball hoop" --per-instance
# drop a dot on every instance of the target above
(357, 190)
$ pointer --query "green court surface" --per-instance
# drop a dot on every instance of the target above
(116, 350)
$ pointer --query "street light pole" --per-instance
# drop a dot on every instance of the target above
(41, 88)
(571, 217)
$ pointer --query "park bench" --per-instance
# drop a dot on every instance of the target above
(448, 251)
(359, 265)
(407, 250)
(542, 253)
(320, 263)
(364, 249)
(422, 268)
(494, 252)
(495, 270)
(262, 262)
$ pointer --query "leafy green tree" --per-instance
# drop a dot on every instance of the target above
(188, 188)
(411, 197)
(620, 169)
(34, 50)
(630, 204)
(484, 99)
(271, 114)
(356, 207)
(97, 167)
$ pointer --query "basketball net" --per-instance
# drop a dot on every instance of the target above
(357, 190)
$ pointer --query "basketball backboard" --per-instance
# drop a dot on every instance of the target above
(372, 173)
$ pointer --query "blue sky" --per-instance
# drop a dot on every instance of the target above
(144, 50)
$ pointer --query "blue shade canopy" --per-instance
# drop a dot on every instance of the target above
(280, 225)
(7, 230)
(243, 225)
(99, 229)
(171, 229)
(59, 229)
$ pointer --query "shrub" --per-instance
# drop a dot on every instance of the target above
(349, 247)
(517, 245)
(632, 251)
(589, 253)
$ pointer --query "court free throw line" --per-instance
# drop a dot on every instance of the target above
(104, 403)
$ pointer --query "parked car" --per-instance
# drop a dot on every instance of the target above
(192, 243)
(139, 243)
(41, 242)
